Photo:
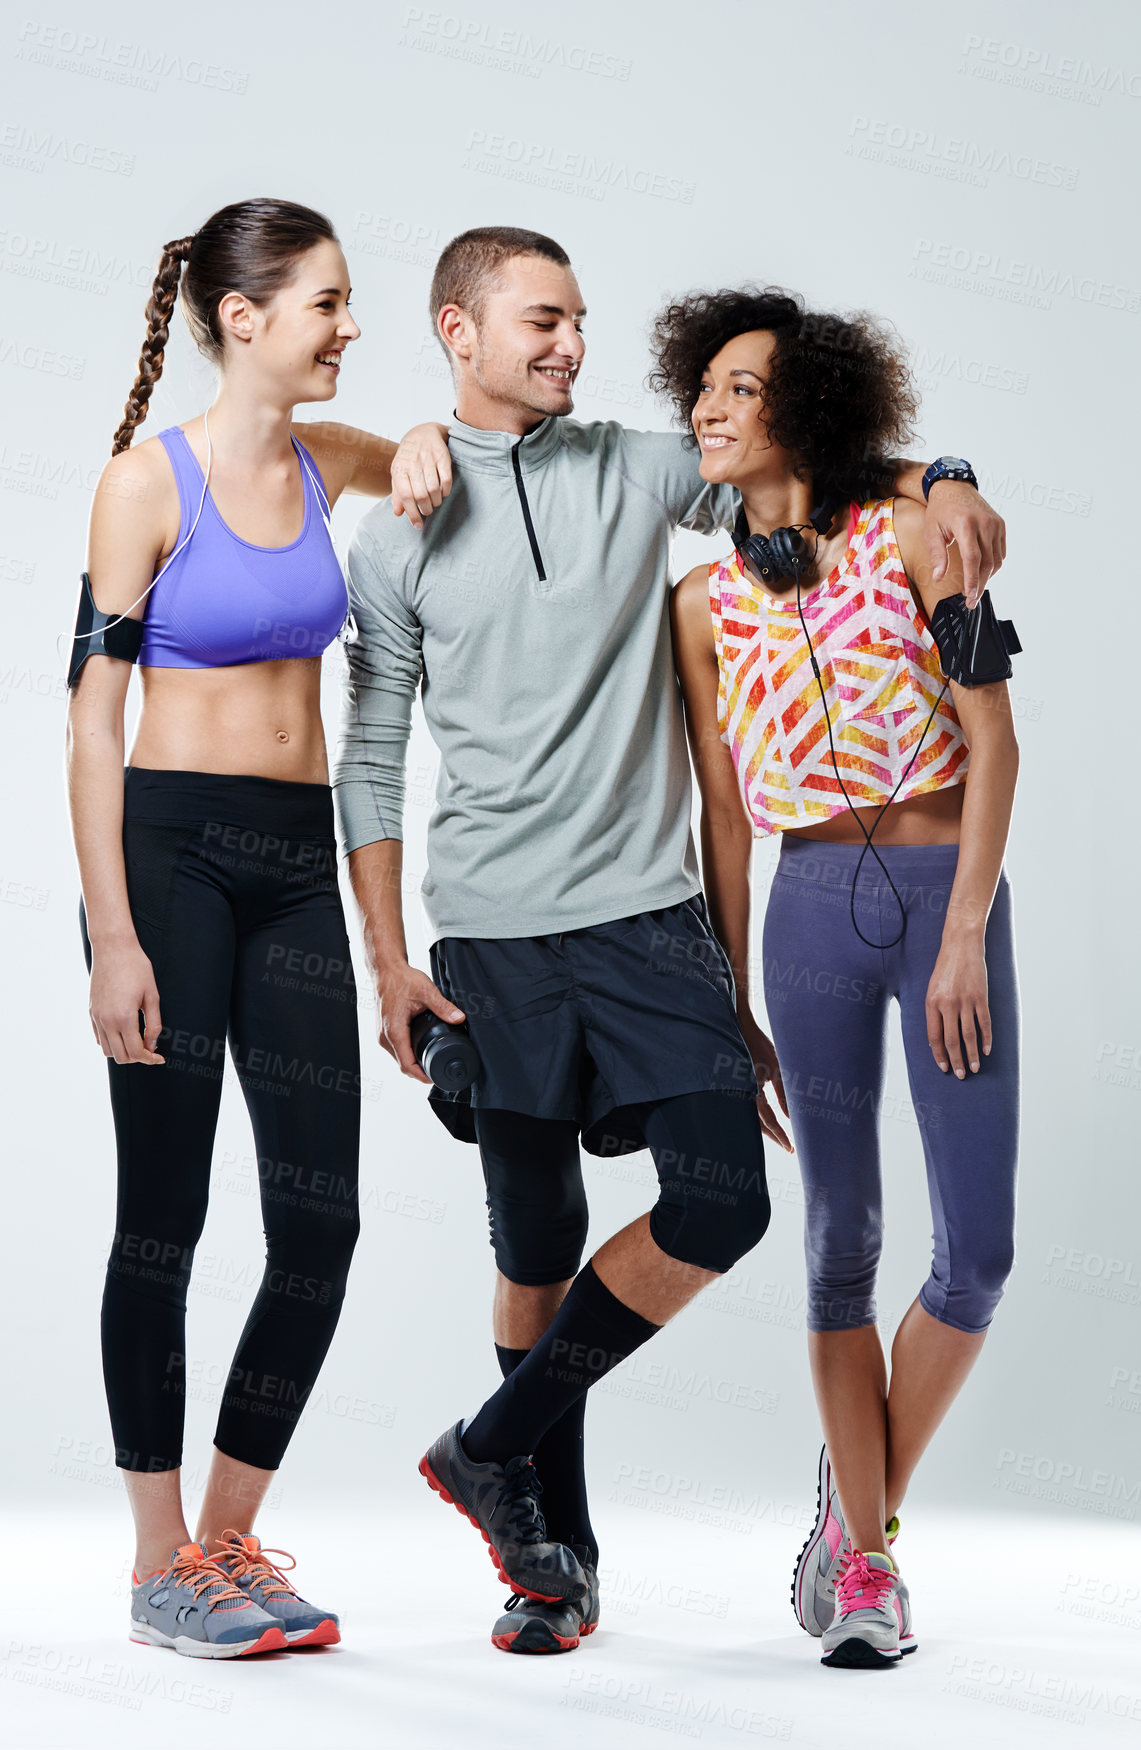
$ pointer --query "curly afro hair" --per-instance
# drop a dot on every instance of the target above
(839, 394)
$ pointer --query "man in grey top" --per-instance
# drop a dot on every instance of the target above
(563, 892)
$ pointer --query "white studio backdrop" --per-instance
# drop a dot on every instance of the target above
(961, 171)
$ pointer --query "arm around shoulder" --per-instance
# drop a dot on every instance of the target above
(383, 654)
(669, 465)
(416, 473)
(349, 459)
(955, 514)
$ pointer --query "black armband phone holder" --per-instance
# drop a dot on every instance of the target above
(975, 646)
(99, 634)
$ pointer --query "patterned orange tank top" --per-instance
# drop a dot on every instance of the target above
(879, 667)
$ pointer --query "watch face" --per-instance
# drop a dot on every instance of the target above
(956, 462)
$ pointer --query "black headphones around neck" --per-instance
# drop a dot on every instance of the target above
(785, 552)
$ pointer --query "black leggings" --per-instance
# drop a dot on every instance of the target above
(712, 1207)
(232, 883)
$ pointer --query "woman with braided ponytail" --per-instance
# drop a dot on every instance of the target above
(160, 309)
(211, 908)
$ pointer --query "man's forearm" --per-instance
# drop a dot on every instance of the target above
(956, 515)
(909, 479)
(377, 872)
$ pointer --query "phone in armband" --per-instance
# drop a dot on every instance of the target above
(975, 646)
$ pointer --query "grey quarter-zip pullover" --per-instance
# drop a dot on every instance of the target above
(532, 611)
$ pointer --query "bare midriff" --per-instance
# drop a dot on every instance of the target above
(255, 719)
(933, 819)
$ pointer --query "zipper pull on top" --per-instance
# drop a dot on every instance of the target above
(526, 508)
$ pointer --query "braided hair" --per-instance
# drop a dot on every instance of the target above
(250, 247)
(160, 309)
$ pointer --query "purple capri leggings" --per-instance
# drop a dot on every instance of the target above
(827, 996)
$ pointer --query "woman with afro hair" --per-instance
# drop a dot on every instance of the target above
(816, 709)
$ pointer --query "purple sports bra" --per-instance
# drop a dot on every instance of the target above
(224, 601)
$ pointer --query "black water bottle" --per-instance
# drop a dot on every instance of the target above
(444, 1051)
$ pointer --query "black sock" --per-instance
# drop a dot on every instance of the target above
(560, 1463)
(591, 1333)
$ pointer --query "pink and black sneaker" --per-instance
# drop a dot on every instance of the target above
(872, 1623)
(817, 1566)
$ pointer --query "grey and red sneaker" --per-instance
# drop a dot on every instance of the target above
(502, 1502)
(872, 1611)
(243, 1560)
(814, 1577)
(534, 1625)
(193, 1608)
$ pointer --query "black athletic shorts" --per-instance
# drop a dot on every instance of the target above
(588, 1023)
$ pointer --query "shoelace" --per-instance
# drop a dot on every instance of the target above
(518, 1598)
(256, 1568)
(860, 1586)
(208, 1582)
(521, 1491)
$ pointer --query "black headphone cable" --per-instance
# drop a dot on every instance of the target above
(868, 846)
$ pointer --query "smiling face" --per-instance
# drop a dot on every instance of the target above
(728, 416)
(298, 338)
(520, 358)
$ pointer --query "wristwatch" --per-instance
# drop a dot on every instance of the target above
(948, 468)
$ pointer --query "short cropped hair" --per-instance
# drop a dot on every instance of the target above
(468, 267)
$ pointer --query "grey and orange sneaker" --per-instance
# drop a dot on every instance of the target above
(872, 1612)
(533, 1625)
(244, 1561)
(814, 1577)
(193, 1608)
(502, 1502)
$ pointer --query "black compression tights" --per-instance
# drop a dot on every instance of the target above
(233, 890)
(713, 1207)
(713, 1202)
